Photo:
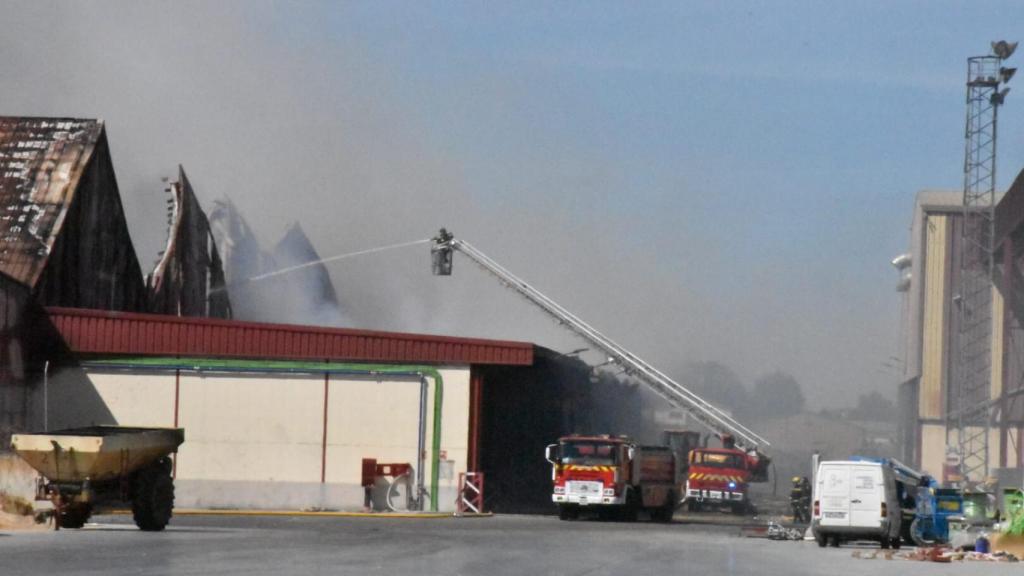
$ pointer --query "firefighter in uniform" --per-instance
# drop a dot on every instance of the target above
(800, 499)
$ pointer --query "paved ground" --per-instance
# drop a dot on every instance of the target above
(502, 545)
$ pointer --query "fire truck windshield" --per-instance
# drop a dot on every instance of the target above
(589, 453)
(716, 459)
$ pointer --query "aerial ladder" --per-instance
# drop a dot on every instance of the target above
(708, 415)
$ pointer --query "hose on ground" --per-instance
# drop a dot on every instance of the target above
(392, 491)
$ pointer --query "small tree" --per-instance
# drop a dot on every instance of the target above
(874, 406)
(776, 395)
(718, 384)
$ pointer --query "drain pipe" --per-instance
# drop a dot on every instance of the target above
(421, 444)
(207, 365)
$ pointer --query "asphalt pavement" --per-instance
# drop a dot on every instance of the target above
(499, 545)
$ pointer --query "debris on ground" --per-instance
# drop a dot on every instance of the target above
(941, 554)
(1011, 543)
(777, 531)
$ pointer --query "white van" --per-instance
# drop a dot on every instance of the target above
(856, 500)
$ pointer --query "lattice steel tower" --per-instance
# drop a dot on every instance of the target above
(971, 384)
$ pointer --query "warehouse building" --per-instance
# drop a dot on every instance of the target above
(275, 415)
(927, 396)
(281, 417)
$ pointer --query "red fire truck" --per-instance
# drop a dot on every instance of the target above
(720, 477)
(614, 476)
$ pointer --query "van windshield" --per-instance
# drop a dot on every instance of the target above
(589, 453)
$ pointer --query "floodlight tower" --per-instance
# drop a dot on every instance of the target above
(986, 91)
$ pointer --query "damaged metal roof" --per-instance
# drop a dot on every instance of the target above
(41, 163)
(188, 280)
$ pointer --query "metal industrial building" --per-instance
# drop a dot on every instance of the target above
(932, 314)
(275, 415)
(278, 416)
(281, 417)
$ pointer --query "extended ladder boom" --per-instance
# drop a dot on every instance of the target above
(710, 416)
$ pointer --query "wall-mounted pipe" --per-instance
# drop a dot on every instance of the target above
(421, 444)
(263, 367)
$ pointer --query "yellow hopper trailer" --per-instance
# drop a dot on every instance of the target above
(82, 468)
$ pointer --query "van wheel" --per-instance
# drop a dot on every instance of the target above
(834, 541)
(821, 539)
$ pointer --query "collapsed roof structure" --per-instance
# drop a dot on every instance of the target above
(304, 295)
(188, 280)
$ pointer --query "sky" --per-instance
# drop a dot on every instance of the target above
(701, 181)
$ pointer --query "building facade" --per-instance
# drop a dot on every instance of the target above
(928, 428)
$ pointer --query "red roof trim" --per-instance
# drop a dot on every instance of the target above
(129, 333)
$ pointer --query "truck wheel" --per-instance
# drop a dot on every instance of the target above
(628, 512)
(567, 512)
(75, 516)
(744, 508)
(665, 512)
(692, 506)
(153, 497)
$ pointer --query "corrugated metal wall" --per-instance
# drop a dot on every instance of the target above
(934, 337)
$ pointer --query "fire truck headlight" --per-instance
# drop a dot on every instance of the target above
(609, 491)
(732, 485)
(559, 489)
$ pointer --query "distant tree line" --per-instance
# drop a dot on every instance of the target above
(775, 394)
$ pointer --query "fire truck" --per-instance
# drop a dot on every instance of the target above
(613, 476)
(720, 477)
(716, 477)
(741, 460)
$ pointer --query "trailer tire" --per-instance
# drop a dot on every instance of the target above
(72, 516)
(153, 497)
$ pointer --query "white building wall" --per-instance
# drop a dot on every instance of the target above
(258, 440)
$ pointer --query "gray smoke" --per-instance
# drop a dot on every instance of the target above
(299, 296)
(297, 121)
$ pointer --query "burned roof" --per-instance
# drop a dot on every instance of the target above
(41, 162)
